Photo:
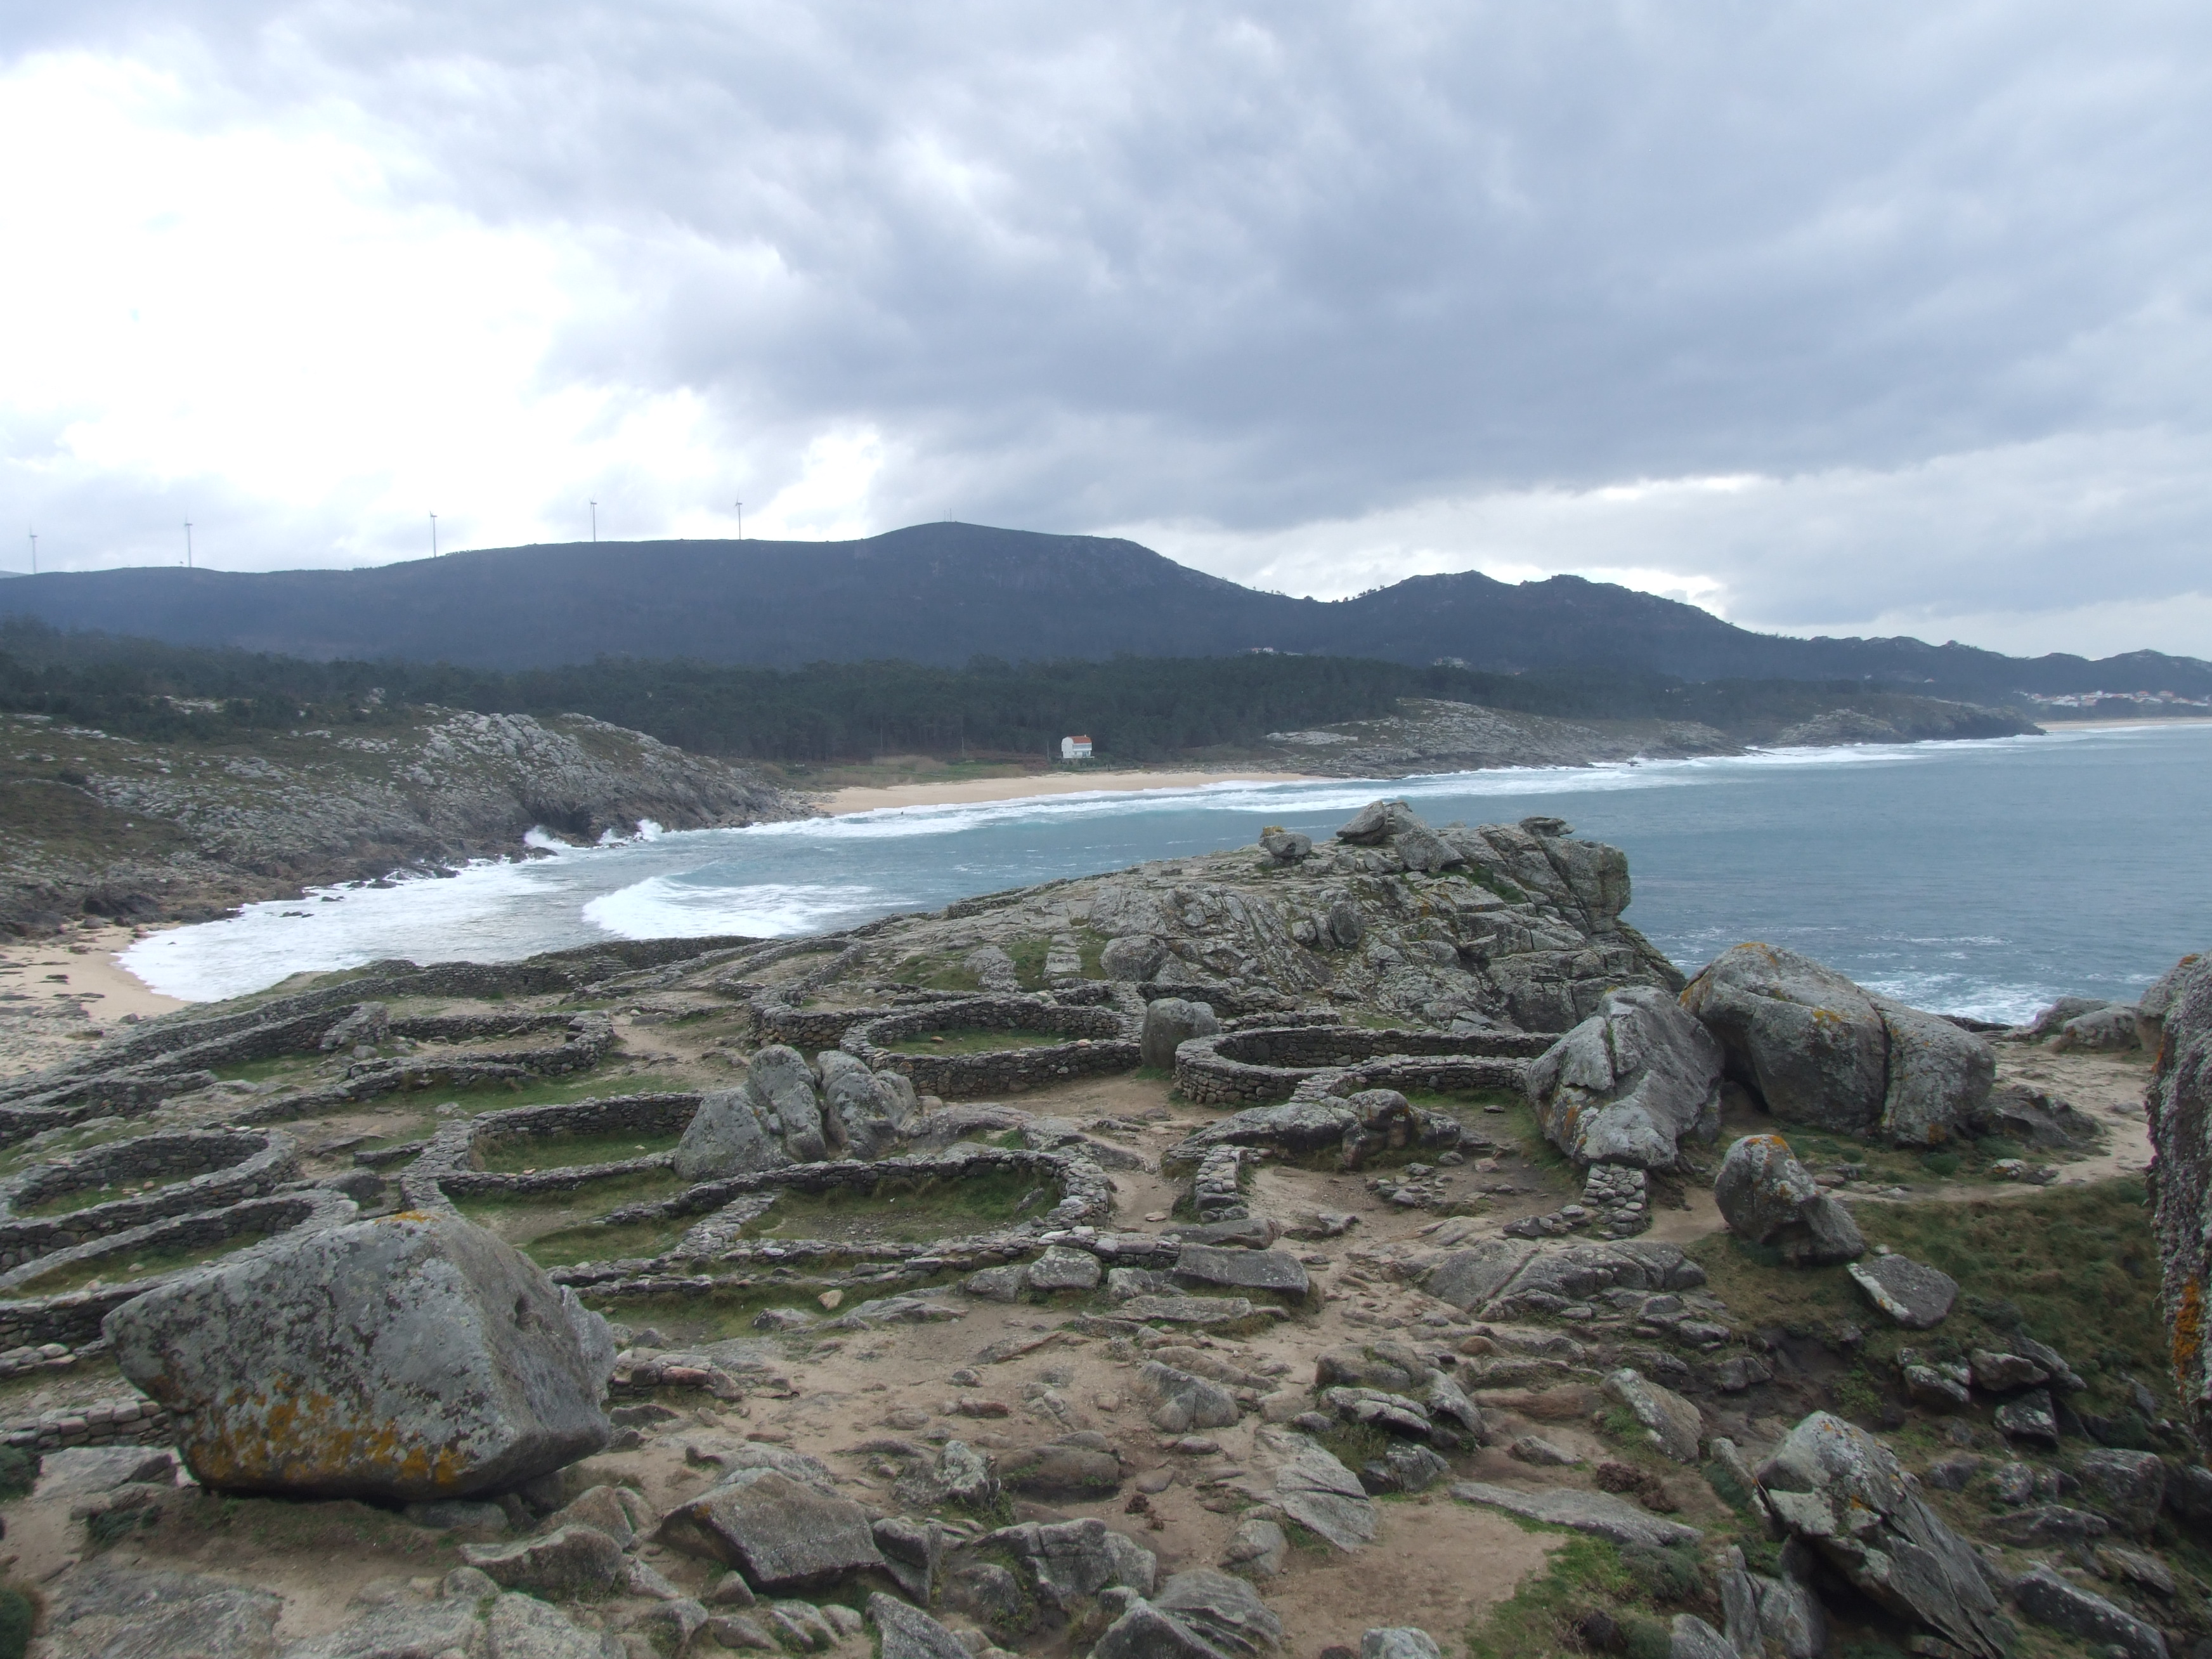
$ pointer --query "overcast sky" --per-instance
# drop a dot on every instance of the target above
(1881, 318)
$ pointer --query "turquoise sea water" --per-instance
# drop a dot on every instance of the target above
(1980, 878)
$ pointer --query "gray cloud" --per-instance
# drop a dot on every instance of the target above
(1312, 293)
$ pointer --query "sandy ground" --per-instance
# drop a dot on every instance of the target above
(1063, 783)
(55, 993)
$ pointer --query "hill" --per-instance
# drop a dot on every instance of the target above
(942, 594)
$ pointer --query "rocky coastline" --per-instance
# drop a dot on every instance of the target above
(1367, 1244)
(143, 832)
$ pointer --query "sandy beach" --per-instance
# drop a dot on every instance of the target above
(972, 791)
(57, 992)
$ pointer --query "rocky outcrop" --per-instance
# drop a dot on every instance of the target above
(1499, 1278)
(2156, 1003)
(2179, 1103)
(1626, 1085)
(1454, 928)
(1819, 1050)
(776, 1116)
(1767, 1196)
(1841, 1492)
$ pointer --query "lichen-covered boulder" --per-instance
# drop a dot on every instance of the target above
(2180, 1111)
(1767, 1196)
(782, 1085)
(1820, 1051)
(728, 1135)
(1808, 1040)
(864, 1110)
(1938, 1078)
(1626, 1085)
(1169, 1022)
(413, 1357)
(1839, 1490)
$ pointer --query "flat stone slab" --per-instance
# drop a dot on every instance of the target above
(1186, 1310)
(105, 1611)
(1595, 1512)
(1910, 1292)
(88, 1471)
(1241, 1269)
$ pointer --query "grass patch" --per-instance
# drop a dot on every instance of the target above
(19, 1473)
(596, 1241)
(1028, 955)
(511, 1154)
(84, 1198)
(973, 1040)
(937, 971)
(525, 1220)
(116, 1268)
(1355, 1444)
(728, 1310)
(18, 1615)
(2075, 1267)
(74, 1140)
(1584, 1575)
(905, 1210)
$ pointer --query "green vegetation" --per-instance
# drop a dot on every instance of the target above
(1584, 1575)
(904, 1210)
(936, 971)
(2074, 1266)
(512, 1154)
(600, 1241)
(84, 1198)
(18, 1614)
(1138, 708)
(530, 1220)
(19, 1473)
(113, 1269)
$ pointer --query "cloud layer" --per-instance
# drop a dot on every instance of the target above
(1872, 319)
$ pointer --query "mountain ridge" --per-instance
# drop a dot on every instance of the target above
(945, 593)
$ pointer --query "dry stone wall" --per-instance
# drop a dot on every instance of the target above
(1100, 1042)
(1255, 1066)
(207, 1169)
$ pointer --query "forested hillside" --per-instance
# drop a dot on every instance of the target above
(1137, 709)
(941, 593)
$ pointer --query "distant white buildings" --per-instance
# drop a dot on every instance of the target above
(1075, 749)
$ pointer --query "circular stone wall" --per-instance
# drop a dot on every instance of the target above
(1099, 1042)
(1255, 1066)
(200, 1170)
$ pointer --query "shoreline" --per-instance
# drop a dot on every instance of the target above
(875, 798)
(2118, 722)
(61, 989)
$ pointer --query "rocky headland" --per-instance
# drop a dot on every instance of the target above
(1366, 1245)
(101, 825)
(1429, 734)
